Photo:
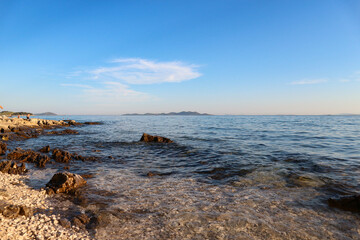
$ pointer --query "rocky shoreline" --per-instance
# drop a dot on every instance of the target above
(28, 213)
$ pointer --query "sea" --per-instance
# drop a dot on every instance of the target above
(224, 177)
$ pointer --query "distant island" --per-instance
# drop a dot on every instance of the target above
(9, 113)
(45, 114)
(183, 113)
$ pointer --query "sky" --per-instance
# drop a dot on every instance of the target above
(211, 56)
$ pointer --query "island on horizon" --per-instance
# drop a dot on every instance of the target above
(183, 113)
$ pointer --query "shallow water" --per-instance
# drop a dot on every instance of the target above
(225, 177)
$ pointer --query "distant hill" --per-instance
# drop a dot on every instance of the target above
(9, 113)
(45, 114)
(183, 113)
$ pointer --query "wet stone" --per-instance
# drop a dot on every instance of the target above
(3, 148)
(61, 156)
(45, 149)
(347, 203)
(157, 139)
(63, 132)
(65, 182)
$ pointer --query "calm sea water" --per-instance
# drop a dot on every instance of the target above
(225, 177)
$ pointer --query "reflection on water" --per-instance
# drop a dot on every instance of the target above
(225, 177)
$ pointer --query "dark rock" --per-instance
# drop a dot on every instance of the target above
(78, 157)
(348, 203)
(152, 174)
(65, 182)
(3, 148)
(96, 150)
(11, 211)
(71, 123)
(12, 168)
(87, 175)
(66, 167)
(29, 156)
(61, 156)
(45, 149)
(149, 138)
(92, 123)
(65, 223)
(26, 211)
(76, 222)
(83, 218)
(63, 132)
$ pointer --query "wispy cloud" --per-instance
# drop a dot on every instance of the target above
(112, 82)
(143, 71)
(309, 81)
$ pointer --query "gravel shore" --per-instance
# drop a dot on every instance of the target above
(43, 224)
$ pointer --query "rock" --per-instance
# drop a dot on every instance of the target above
(29, 156)
(5, 138)
(3, 148)
(92, 123)
(61, 156)
(76, 222)
(26, 211)
(65, 223)
(45, 149)
(12, 168)
(151, 174)
(347, 203)
(11, 211)
(149, 138)
(83, 218)
(66, 167)
(63, 132)
(65, 182)
(89, 175)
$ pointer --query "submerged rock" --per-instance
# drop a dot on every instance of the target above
(61, 156)
(13, 211)
(45, 149)
(92, 123)
(65, 182)
(12, 168)
(63, 132)
(3, 148)
(149, 138)
(348, 203)
(29, 156)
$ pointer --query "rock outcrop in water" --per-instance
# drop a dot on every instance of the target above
(3, 148)
(29, 156)
(61, 156)
(348, 203)
(149, 138)
(63, 132)
(45, 149)
(11, 167)
(65, 182)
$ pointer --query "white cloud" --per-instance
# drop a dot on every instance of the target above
(143, 71)
(309, 81)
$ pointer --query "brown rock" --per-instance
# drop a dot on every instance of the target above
(3, 148)
(61, 156)
(11, 211)
(12, 168)
(65, 182)
(45, 149)
(76, 222)
(28, 156)
(149, 138)
(63, 132)
(83, 218)
(26, 211)
(65, 223)
(92, 123)
(348, 203)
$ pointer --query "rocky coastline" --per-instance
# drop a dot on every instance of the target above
(27, 213)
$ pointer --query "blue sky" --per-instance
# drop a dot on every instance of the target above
(219, 57)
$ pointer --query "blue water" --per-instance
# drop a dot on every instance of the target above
(225, 177)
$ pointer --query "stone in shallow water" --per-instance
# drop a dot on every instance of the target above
(3, 148)
(29, 156)
(45, 149)
(149, 138)
(65, 182)
(348, 203)
(61, 156)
